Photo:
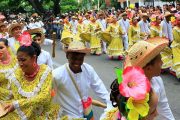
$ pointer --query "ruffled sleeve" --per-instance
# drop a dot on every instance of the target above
(26, 106)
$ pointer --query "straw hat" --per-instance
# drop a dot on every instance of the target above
(2, 24)
(35, 31)
(166, 14)
(2, 111)
(74, 17)
(143, 52)
(78, 46)
(144, 15)
(12, 26)
(123, 14)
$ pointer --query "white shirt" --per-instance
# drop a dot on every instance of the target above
(74, 26)
(67, 95)
(124, 25)
(32, 25)
(45, 58)
(11, 42)
(167, 29)
(144, 27)
(86, 22)
(163, 106)
(102, 24)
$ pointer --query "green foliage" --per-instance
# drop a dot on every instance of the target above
(68, 5)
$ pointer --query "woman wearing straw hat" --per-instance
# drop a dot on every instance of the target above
(14, 30)
(115, 48)
(146, 55)
(74, 79)
(176, 47)
(3, 33)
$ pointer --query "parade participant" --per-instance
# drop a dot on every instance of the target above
(176, 47)
(44, 57)
(115, 48)
(3, 33)
(124, 23)
(95, 42)
(134, 32)
(31, 25)
(74, 23)
(145, 54)
(23, 22)
(80, 28)
(8, 64)
(31, 86)
(14, 30)
(67, 33)
(144, 26)
(86, 20)
(102, 23)
(84, 77)
(156, 29)
(166, 54)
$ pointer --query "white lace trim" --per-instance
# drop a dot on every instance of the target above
(19, 111)
(36, 89)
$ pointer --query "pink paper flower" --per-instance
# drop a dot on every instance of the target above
(25, 39)
(135, 84)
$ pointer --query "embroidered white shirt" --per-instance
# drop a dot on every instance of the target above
(102, 24)
(67, 95)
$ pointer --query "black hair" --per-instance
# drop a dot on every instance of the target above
(33, 49)
(5, 41)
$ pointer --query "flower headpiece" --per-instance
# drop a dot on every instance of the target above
(134, 87)
(25, 39)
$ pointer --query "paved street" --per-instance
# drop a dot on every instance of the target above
(105, 69)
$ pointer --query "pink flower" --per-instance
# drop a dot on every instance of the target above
(25, 39)
(135, 84)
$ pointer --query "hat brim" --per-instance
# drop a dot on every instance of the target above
(37, 30)
(12, 26)
(2, 24)
(86, 51)
(2, 111)
(170, 14)
(160, 44)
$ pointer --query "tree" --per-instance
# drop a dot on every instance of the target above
(68, 5)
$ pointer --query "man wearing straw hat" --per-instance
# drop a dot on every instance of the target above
(144, 26)
(74, 79)
(102, 22)
(124, 23)
(146, 54)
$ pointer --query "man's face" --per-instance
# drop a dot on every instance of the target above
(125, 17)
(75, 60)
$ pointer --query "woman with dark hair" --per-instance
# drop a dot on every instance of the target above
(8, 64)
(31, 86)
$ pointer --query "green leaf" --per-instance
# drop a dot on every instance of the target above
(119, 72)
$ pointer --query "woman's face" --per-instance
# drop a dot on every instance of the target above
(135, 21)
(2, 28)
(25, 61)
(158, 20)
(16, 31)
(3, 50)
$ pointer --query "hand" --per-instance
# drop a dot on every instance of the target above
(9, 107)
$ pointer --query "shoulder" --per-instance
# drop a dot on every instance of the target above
(58, 72)
(45, 53)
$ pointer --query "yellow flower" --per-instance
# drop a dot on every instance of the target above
(137, 107)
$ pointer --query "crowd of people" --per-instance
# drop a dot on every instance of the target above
(146, 39)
